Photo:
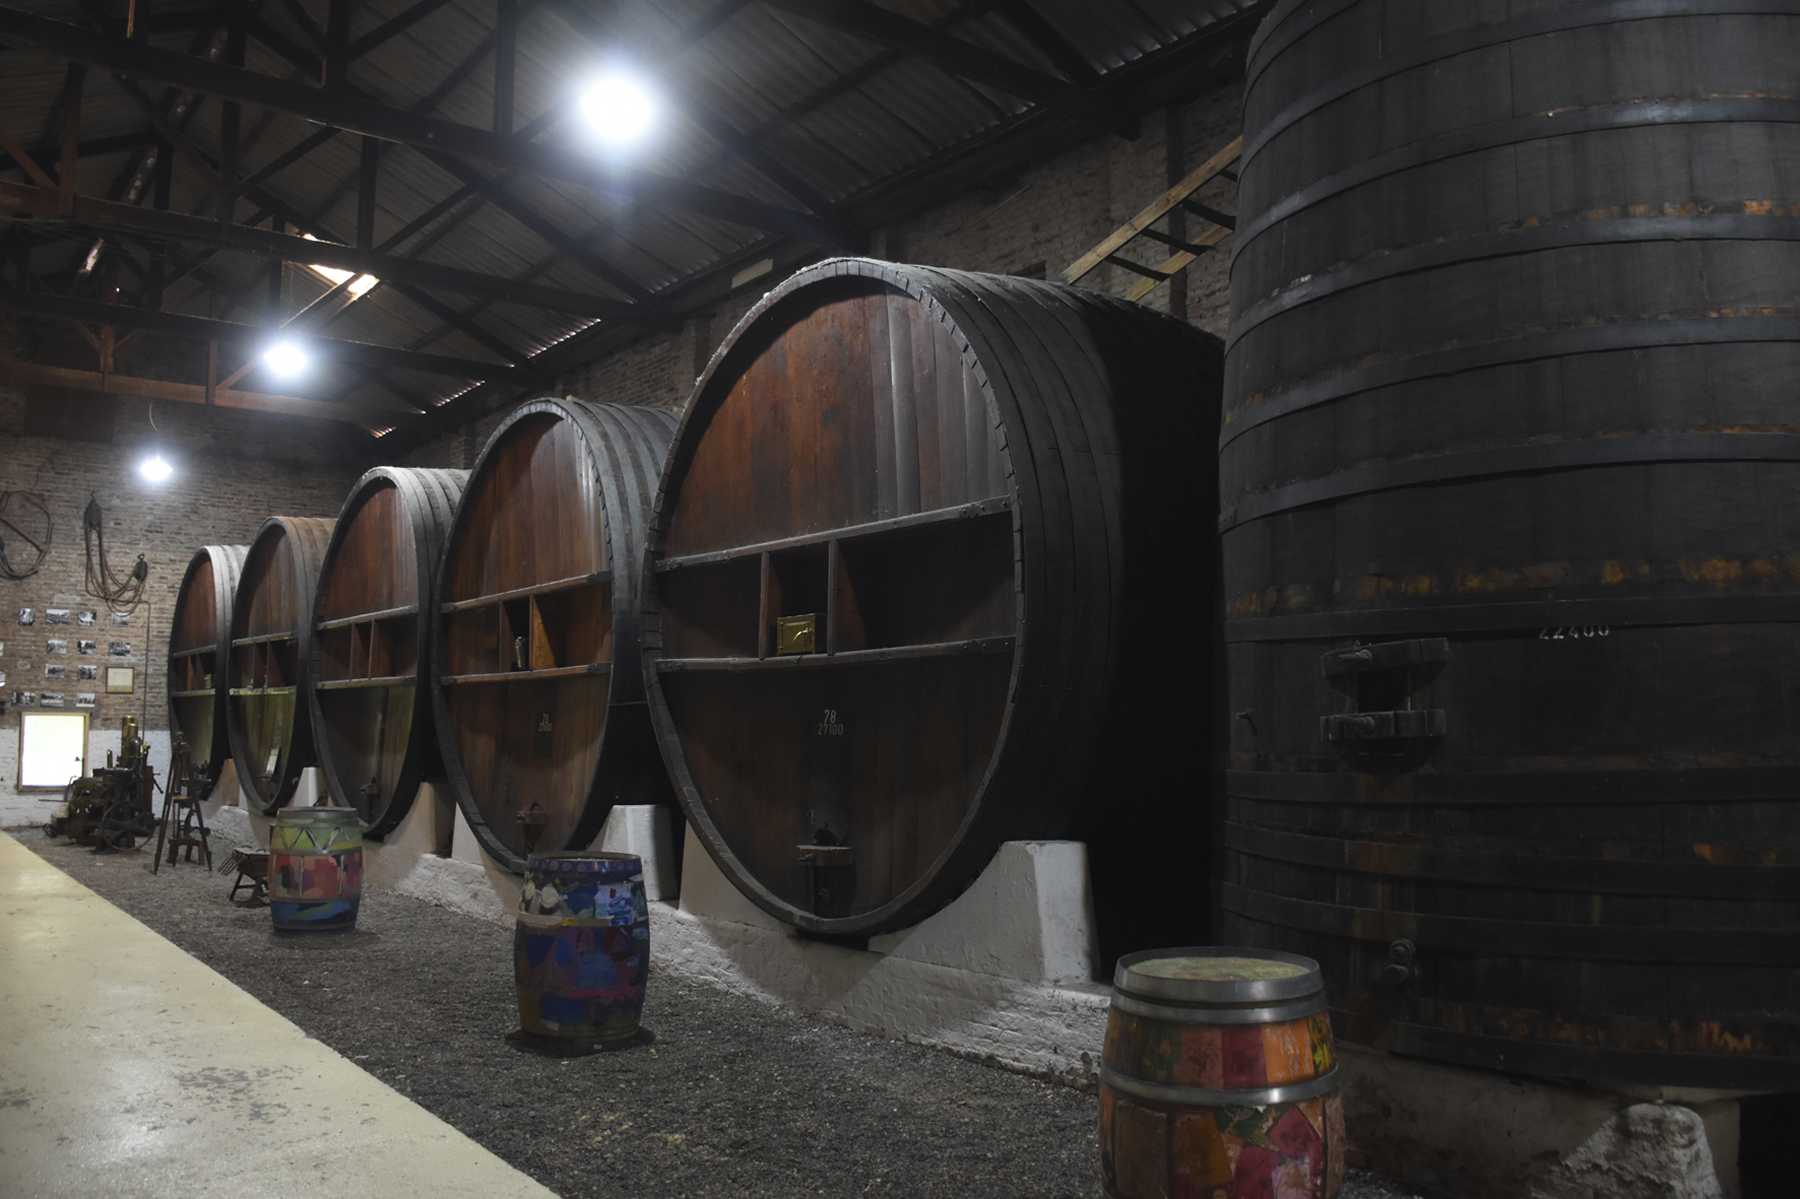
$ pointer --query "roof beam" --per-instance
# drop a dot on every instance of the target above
(492, 191)
(376, 120)
(93, 147)
(17, 373)
(19, 202)
(394, 27)
(953, 55)
(199, 328)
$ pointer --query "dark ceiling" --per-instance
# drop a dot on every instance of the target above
(432, 143)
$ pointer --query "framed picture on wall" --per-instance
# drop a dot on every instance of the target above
(87, 618)
(56, 645)
(55, 670)
(121, 618)
(84, 645)
(57, 616)
(50, 699)
(84, 699)
(119, 649)
(27, 615)
(87, 672)
(120, 680)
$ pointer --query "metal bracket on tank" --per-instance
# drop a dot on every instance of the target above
(1383, 681)
(1383, 726)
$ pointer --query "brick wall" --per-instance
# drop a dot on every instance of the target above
(232, 470)
(1045, 218)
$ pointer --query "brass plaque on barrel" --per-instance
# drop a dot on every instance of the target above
(797, 634)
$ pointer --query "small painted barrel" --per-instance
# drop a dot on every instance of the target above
(1219, 1078)
(581, 949)
(315, 869)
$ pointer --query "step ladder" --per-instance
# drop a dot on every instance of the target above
(181, 813)
(1186, 250)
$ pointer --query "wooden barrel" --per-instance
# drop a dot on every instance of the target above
(315, 869)
(1508, 464)
(371, 647)
(930, 547)
(538, 695)
(199, 652)
(581, 947)
(271, 644)
(1219, 1078)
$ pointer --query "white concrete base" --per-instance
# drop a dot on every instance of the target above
(643, 829)
(426, 826)
(1001, 974)
(1479, 1135)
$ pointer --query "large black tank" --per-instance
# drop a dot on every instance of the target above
(1510, 472)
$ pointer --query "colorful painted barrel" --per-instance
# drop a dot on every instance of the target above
(581, 949)
(315, 869)
(1219, 1079)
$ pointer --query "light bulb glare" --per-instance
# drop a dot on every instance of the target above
(617, 107)
(155, 469)
(286, 359)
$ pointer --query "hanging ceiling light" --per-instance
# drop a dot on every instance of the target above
(286, 359)
(618, 107)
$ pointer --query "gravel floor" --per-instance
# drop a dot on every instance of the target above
(731, 1098)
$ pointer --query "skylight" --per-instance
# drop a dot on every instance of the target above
(335, 276)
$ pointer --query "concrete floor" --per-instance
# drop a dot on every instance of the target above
(128, 1068)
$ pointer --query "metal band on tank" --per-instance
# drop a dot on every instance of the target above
(1155, 1092)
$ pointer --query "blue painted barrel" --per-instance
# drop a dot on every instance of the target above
(581, 948)
(315, 869)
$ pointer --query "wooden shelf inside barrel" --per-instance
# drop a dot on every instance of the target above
(198, 651)
(193, 693)
(517, 593)
(994, 506)
(242, 692)
(529, 676)
(262, 639)
(394, 680)
(855, 657)
(343, 622)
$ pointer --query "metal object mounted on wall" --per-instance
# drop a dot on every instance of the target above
(25, 533)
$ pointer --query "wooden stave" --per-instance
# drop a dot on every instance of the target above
(227, 562)
(1280, 837)
(308, 536)
(430, 496)
(1046, 534)
(645, 432)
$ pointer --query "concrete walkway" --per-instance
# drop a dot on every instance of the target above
(127, 1068)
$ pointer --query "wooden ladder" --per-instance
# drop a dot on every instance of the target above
(1186, 251)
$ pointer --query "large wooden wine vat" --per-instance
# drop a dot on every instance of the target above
(371, 647)
(983, 494)
(538, 692)
(199, 652)
(271, 644)
(1510, 472)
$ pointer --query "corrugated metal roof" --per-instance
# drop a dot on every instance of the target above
(841, 113)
